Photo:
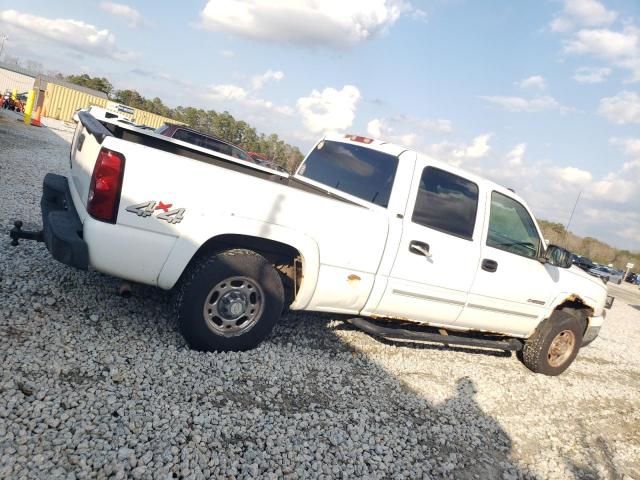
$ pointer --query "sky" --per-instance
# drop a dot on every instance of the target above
(542, 96)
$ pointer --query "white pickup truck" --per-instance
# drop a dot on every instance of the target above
(402, 245)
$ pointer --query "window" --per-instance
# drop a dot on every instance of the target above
(446, 202)
(202, 141)
(359, 171)
(511, 228)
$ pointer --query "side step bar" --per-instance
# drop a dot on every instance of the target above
(394, 333)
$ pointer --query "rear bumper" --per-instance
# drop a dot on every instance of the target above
(62, 228)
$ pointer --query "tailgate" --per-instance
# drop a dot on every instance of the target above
(87, 141)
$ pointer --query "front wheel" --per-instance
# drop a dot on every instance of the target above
(554, 345)
(229, 302)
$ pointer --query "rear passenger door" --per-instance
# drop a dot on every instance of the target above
(512, 288)
(438, 253)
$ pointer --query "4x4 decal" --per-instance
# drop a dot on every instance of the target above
(147, 209)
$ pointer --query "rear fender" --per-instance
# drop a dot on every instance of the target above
(188, 244)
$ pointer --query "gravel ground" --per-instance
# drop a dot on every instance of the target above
(94, 385)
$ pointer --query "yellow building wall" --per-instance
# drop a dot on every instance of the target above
(61, 102)
(152, 119)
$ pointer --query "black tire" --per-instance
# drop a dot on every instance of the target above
(204, 277)
(536, 354)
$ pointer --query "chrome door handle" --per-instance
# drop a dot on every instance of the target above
(419, 248)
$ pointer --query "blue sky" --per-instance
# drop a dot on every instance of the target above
(540, 95)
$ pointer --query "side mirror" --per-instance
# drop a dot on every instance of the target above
(557, 256)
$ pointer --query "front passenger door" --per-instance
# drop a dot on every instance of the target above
(512, 288)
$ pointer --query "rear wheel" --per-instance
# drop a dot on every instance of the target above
(229, 302)
(554, 345)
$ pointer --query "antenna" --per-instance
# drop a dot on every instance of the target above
(566, 228)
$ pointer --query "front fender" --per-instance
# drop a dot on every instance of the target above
(570, 297)
(188, 244)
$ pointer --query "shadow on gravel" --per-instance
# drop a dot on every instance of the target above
(637, 307)
(455, 438)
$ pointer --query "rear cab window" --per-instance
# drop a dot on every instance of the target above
(202, 141)
(359, 171)
(511, 228)
(446, 202)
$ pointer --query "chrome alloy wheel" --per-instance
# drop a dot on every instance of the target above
(561, 348)
(233, 306)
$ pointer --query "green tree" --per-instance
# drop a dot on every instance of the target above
(96, 83)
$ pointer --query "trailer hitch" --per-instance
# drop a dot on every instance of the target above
(17, 233)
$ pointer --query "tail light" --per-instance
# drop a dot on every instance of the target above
(106, 185)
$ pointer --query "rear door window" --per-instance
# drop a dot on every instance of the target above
(359, 171)
(446, 202)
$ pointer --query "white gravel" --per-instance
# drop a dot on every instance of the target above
(94, 385)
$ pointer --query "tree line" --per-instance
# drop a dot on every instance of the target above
(222, 125)
(590, 247)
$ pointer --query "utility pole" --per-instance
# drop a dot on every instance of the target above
(3, 37)
(566, 228)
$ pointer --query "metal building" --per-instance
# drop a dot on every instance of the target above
(13, 77)
(59, 99)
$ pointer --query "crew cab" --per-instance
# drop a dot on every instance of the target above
(398, 242)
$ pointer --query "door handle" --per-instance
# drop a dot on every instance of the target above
(419, 248)
(489, 265)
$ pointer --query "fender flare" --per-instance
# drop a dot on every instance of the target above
(570, 297)
(188, 244)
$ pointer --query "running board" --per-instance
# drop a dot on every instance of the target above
(393, 333)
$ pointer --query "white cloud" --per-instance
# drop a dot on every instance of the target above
(621, 108)
(374, 128)
(613, 189)
(572, 175)
(227, 92)
(406, 130)
(457, 154)
(520, 104)
(631, 148)
(235, 93)
(534, 82)
(329, 110)
(605, 43)
(330, 23)
(620, 49)
(379, 128)
(259, 80)
(578, 13)
(516, 155)
(133, 16)
(228, 53)
(591, 75)
(74, 34)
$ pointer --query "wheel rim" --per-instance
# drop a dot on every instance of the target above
(561, 348)
(233, 306)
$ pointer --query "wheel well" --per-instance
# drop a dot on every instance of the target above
(575, 306)
(285, 259)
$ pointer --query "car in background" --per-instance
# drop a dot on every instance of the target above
(261, 159)
(582, 262)
(189, 135)
(632, 277)
(606, 274)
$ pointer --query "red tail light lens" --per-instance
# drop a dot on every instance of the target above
(106, 185)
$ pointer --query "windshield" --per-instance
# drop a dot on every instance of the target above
(359, 171)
